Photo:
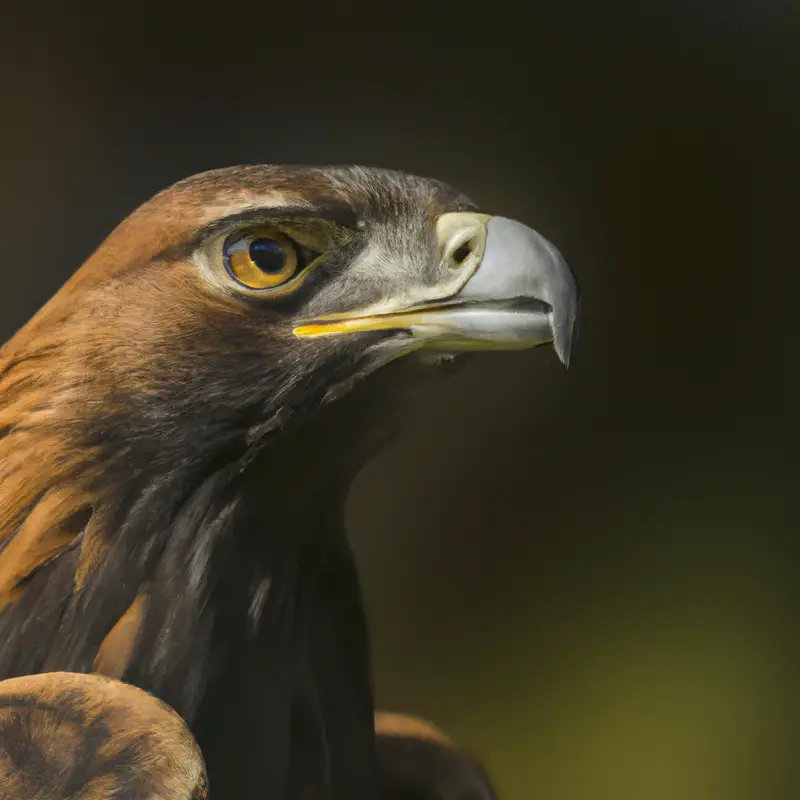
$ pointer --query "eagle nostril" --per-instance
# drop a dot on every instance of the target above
(462, 254)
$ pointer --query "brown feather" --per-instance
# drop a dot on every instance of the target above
(117, 649)
(85, 737)
(388, 723)
(418, 761)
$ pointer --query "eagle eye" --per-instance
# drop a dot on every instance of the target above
(261, 259)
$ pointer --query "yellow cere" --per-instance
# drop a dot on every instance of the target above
(379, 322)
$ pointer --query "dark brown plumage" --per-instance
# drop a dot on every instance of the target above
(418, 761)
(179, 427)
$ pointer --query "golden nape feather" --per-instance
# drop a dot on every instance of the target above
(179, 429)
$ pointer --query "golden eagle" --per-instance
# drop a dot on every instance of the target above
(180, 425)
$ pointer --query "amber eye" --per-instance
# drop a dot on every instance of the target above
(261, 260)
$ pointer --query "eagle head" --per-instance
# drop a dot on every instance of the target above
(179, 426)
(240, 296)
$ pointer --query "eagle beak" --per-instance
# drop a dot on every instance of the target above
(522, 293)
(517, 292)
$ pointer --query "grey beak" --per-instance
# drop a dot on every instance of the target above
(520, 265)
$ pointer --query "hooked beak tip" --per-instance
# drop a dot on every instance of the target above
(564, 336)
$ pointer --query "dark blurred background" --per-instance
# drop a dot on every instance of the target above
(588, 576)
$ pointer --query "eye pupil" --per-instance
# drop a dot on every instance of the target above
(268, 255)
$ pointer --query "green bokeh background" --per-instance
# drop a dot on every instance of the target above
(589, 577)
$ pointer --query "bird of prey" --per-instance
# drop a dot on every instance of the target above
(180, 425)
